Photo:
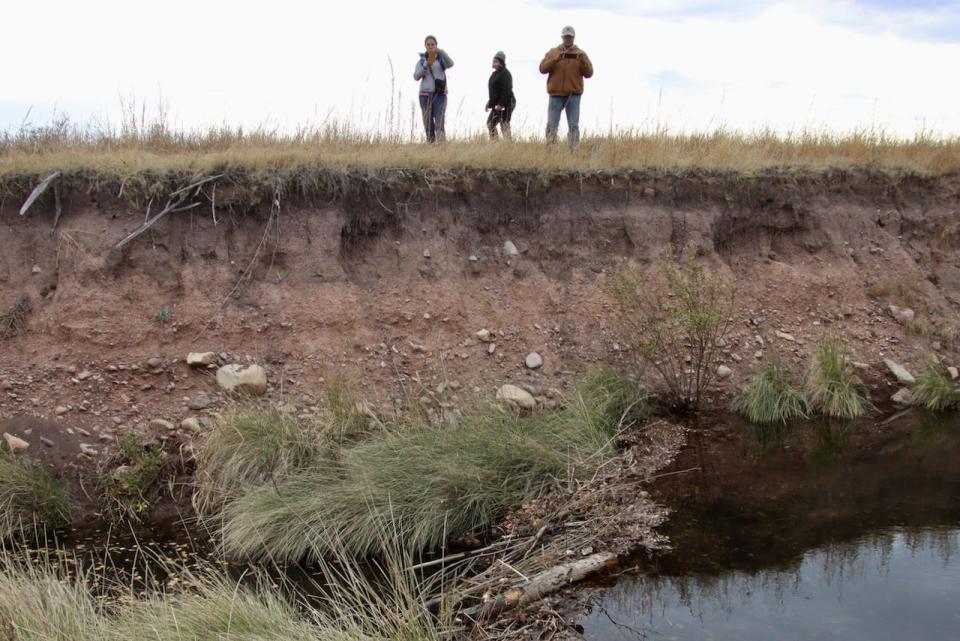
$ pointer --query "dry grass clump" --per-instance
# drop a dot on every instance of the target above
(770, 397)
(429, 483)
(935, 390)
(30, 498)
(37, 603)
(12, 321)
(831, 386)
(255, 444)
(152, 145)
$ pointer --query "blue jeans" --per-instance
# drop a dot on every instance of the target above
(557, 104)
(433, 107)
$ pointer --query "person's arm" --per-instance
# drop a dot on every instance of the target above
(586, 67)
(421, 69)
(550, 60)
(445, 57)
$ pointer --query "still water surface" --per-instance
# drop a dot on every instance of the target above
(818, 533)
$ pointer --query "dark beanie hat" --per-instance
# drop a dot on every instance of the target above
(502, 57)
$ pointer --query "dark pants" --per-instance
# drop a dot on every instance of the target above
(433, 107)
(501, 118)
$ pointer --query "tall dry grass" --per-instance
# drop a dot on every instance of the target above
(41, 603)
(141, 144)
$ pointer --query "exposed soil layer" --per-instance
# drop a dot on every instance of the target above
(384, 280)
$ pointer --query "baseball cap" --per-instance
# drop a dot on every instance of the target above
(568, 31)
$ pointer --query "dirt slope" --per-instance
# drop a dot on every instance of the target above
(386, 288)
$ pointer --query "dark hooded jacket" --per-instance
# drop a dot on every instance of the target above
(500, 86)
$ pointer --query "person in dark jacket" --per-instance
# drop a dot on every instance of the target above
(501, 102)
(431, 71)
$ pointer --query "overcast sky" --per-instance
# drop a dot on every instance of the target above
(685, 65)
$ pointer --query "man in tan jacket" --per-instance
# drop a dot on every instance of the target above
(567, 65)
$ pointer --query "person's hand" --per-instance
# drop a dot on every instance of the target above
(499, 107)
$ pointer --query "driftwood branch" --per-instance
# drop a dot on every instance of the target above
(174, 204)
(169, 209)
(38, 191)
(544, 584)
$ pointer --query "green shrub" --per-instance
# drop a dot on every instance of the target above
(677, 325)
(431, 483)
(129, 476)
(832, 387)
(770, 398)
(935, 391)
(30, 497)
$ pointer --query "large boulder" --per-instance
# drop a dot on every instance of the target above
(516, 396)
(250, 379)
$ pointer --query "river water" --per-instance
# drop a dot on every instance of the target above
(820, 531)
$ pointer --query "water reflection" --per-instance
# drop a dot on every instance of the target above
(830, 531)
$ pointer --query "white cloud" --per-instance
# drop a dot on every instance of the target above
(786, 65)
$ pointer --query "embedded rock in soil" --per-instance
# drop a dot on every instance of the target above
(160, 424)
(191, 425)
(509, 249)
(517, 397)
(902, 397)
(900, 372)
(200, 402)
(484, 335)
(953, 372)
(902, 315)
(246, 380)
(60, 410)
(533, 360)
(724, 372)
(201, 359)
(15, 444)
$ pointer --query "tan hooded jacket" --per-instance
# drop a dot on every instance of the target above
(566, 74)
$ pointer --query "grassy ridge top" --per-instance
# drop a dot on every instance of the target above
(158, 149)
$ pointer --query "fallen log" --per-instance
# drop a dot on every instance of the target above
(543, 585)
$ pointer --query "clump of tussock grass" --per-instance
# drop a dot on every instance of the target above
(39, 603)
(430, 483)
(770, 397)
(253, 444)
(935, 391)
(12, 321)
(831, 386)
(30, 497)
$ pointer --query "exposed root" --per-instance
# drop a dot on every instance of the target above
(12, 322)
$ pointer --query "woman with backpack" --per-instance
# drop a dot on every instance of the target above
(501, 102)
(431, 71)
